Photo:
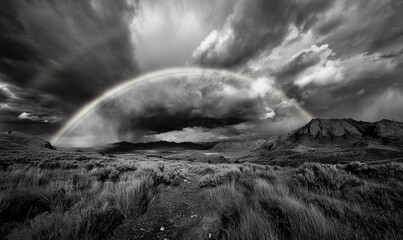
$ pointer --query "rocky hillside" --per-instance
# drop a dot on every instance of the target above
(328, 130)
(340, 131)
(386, 129)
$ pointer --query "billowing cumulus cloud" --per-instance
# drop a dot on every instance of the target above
(29, 116)
(324, 54)
(254, 26)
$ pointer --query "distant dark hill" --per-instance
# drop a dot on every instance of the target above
(21, 141)
(123, 147)
(234, 146)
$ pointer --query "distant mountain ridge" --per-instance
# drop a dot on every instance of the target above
(347, 129)
(234, 146)
(344, 131)
(129, 146)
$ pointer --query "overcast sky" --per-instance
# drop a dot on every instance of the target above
(335, 58)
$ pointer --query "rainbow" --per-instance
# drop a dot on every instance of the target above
(155, 76)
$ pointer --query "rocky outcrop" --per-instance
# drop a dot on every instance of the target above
(339, 131)
(328, 130)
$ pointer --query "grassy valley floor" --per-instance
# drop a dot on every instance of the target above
(124, 197)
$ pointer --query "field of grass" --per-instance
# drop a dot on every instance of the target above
(90, 197)
(77, 200)
(314, 201)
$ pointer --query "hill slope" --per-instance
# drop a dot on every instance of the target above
(21, 141)
(238, 146)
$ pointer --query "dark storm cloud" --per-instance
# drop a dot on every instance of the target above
(43, 107)
(38, 108)
(393, 54)
(362, 26)
(71, 50)
(163, 118)
(371, 105)
(254, 26)
(212, 103)
(3, 95)
(375, 94)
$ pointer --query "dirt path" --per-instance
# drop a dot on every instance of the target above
(178, 213)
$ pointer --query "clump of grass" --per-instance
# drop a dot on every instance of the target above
(162, 175)
(87, 225)
(173, 176)
(47, 226)
(255, 209)
(77, 204)
(23, 204)
(93, 164)
(49, 164)
(316, 201)
(224, 176)
(81, 182)
(228, 174)
(324, 177)
(23, 177)
(105, 173)
(18, 206)
(256, 170)
(204, 169)
(97, 224)
(293, 218)
(133, 197)
(376, 171)
(126, 167)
